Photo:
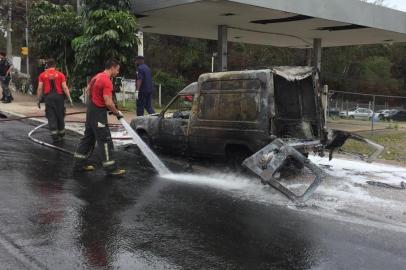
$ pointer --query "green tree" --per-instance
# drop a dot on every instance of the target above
(182, 57)
(376, 74)
(171, 85)
(52, 29)
(107, 33)
(91, 5)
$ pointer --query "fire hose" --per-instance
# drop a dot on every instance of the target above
(55, 147)
(32, 116)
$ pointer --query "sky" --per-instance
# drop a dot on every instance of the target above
(396, 4)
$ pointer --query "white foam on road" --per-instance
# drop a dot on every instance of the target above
(236, 185)
(360, 172)
(345, 195)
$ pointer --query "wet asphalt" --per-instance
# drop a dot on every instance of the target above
(52, 218)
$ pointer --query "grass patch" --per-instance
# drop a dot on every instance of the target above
(129, 106)
(393, 140)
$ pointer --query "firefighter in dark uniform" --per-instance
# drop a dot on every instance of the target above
(5, 77)
(52, 86)
(100, 93)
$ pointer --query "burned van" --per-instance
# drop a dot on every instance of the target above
(237, 112)
(263, 118)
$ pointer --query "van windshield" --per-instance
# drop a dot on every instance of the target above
(180, 108)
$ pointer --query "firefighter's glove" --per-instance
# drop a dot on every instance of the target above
(39, 103)
(119, 115)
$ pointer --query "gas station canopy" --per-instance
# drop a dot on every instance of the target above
(284, 23)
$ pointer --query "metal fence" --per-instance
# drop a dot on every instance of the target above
(128, 93)
(346, 102)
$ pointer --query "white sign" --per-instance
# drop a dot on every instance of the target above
(128, 86)
(16, 61)
(128, 90)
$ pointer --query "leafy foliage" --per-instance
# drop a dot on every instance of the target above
(107, 33)
(115, 5)
(365, 69)
(178, 56)
(81, 44)
(52, 29)
(171, 85)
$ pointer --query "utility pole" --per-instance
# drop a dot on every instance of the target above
(9, 44)
(78, 7)
(27, 38)
(140, 36)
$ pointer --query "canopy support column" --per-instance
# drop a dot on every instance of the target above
(222, 47)
(317, 53)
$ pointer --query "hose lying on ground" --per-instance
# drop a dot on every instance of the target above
(30, 117)
(47, 144)
(55, 147)
(4, 118)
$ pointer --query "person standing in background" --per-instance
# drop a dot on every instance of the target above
(144, 87)
(52, 83)
(5, 78)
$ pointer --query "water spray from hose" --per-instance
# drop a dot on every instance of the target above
(148, 153)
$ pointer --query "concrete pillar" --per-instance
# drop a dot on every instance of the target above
(222, 47)
(308, 56)
(325, 104)
(317, 53)
(140, 36)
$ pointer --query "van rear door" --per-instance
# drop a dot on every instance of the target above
(231, 108)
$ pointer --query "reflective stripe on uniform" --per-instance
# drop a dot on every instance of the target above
(79, 156)
(106, 150)
(54, 132)
(61, 131)
(108, 163)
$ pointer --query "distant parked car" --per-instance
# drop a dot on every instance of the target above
(398, 116)
(383, 114)
(359, 113)
(386, 114)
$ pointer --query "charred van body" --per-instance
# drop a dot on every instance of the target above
(263, 118)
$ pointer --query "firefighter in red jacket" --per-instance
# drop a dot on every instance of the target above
(52, 86)
(100, 93)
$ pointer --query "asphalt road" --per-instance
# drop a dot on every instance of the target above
(51, 218)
